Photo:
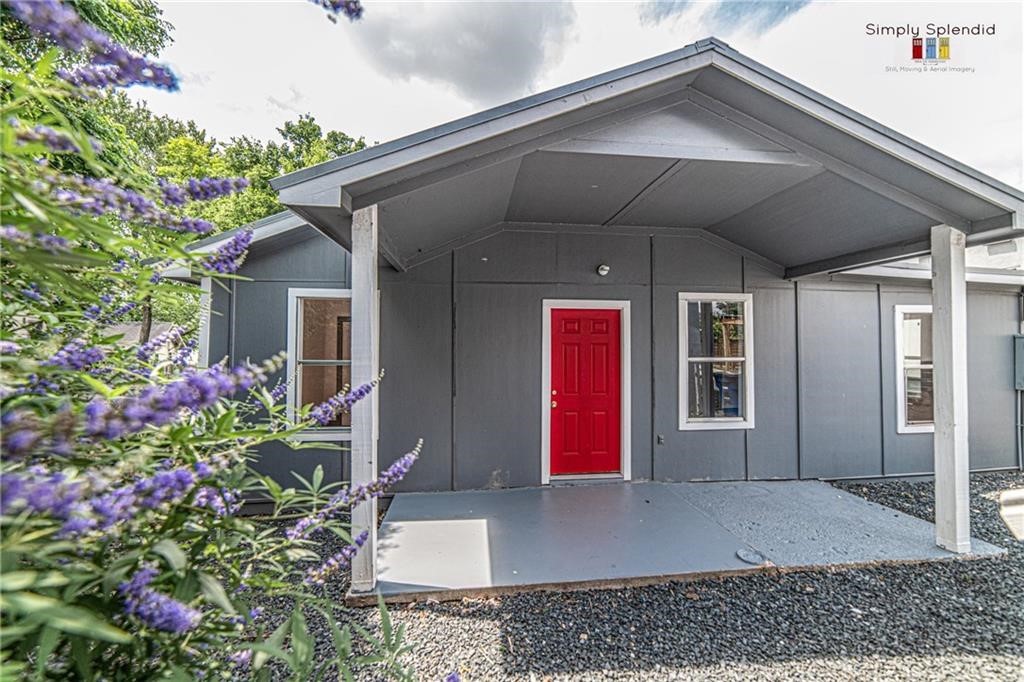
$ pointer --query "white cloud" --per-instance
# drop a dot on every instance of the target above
(408, 67)
(486, 52)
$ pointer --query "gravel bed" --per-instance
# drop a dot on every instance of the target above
(959, 620)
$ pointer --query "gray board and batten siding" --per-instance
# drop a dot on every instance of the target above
(461, 344)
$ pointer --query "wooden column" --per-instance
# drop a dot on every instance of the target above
(949, 355)
(365, 366)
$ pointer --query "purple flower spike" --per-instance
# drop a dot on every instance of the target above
(112, 64)
(168, 338)
(201, 189)
(229, 256)
(75, 355)
(352, 9)
(327, 411)
(9, 348)
(101, 197)
(154, 609)
(319, 575)
(54, 140)
(350, 497)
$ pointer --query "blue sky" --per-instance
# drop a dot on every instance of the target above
(248, 66)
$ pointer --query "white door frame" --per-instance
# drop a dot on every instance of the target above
(625, 381)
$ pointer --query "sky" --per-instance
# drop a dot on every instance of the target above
(246, 67)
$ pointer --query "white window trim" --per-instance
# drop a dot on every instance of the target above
(625, 409)
(292, 376)
(901, 399)
(205, 319)
(717, 423)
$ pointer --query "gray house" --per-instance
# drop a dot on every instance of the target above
(678, 271)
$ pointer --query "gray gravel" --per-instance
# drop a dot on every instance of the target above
(961, 620)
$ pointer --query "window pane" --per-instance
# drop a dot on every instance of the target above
(715, 329)
(917, 339)
(918, 384)
(317, 383)
(716, 389)
(326, 329)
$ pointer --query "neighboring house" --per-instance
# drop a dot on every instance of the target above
(639, 276)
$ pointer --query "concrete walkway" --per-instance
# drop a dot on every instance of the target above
(474, 543)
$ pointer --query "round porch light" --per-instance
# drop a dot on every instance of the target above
(603, 269)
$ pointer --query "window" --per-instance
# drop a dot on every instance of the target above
(914, 388)
(319, 352)
(716, 364)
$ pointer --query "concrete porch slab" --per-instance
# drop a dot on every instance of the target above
(475, 543)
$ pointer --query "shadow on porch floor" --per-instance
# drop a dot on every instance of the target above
(474, 543)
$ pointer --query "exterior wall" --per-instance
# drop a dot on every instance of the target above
(249, 321)
(460, 338)
(461, 345)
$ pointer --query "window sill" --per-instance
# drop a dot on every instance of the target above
(716, 424)
(325, 436)
(916, 428)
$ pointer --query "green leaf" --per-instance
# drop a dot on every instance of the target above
(48, 639)
(214, 592)
(96, 385)
(61, 616)
(302, 645)
(318, 476)
(170, 551)
(271, 647)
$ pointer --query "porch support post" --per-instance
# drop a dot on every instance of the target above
(949, 356)
(365, 367)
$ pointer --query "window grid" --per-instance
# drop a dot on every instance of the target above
(746, 419)
(905, 365)
(297, 360)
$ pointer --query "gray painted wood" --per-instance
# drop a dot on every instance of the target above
(685, 124)
(905, 453)
(685, 199)
(840, 415)
(772, 446)
(429, 216)
(416, 394)
(788, 229)
(260, 331)
(685, 455)
(311, 258)
(510, 257)
(498, 379)
(581, 189)
(579, 256)
(991, 321)
(496, 409)
(696, 265)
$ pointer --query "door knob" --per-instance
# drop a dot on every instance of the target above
(554, 404)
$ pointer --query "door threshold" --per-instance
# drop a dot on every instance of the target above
(568, 479)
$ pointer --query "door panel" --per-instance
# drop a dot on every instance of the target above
(585, 391)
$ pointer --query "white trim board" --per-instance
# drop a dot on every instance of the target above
(625, 356)
(291, 374)
(205, 319)
(901, 399)
(717, 423)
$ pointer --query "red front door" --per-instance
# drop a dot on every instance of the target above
(585, 391)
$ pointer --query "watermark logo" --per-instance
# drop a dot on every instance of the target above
(930, 45)
(934, 49)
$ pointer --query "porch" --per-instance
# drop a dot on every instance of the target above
(477, 543)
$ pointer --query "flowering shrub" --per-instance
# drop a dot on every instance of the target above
(124, 469)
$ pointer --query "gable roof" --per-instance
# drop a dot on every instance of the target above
(787, 173)
(279, 223)
(710, 44)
